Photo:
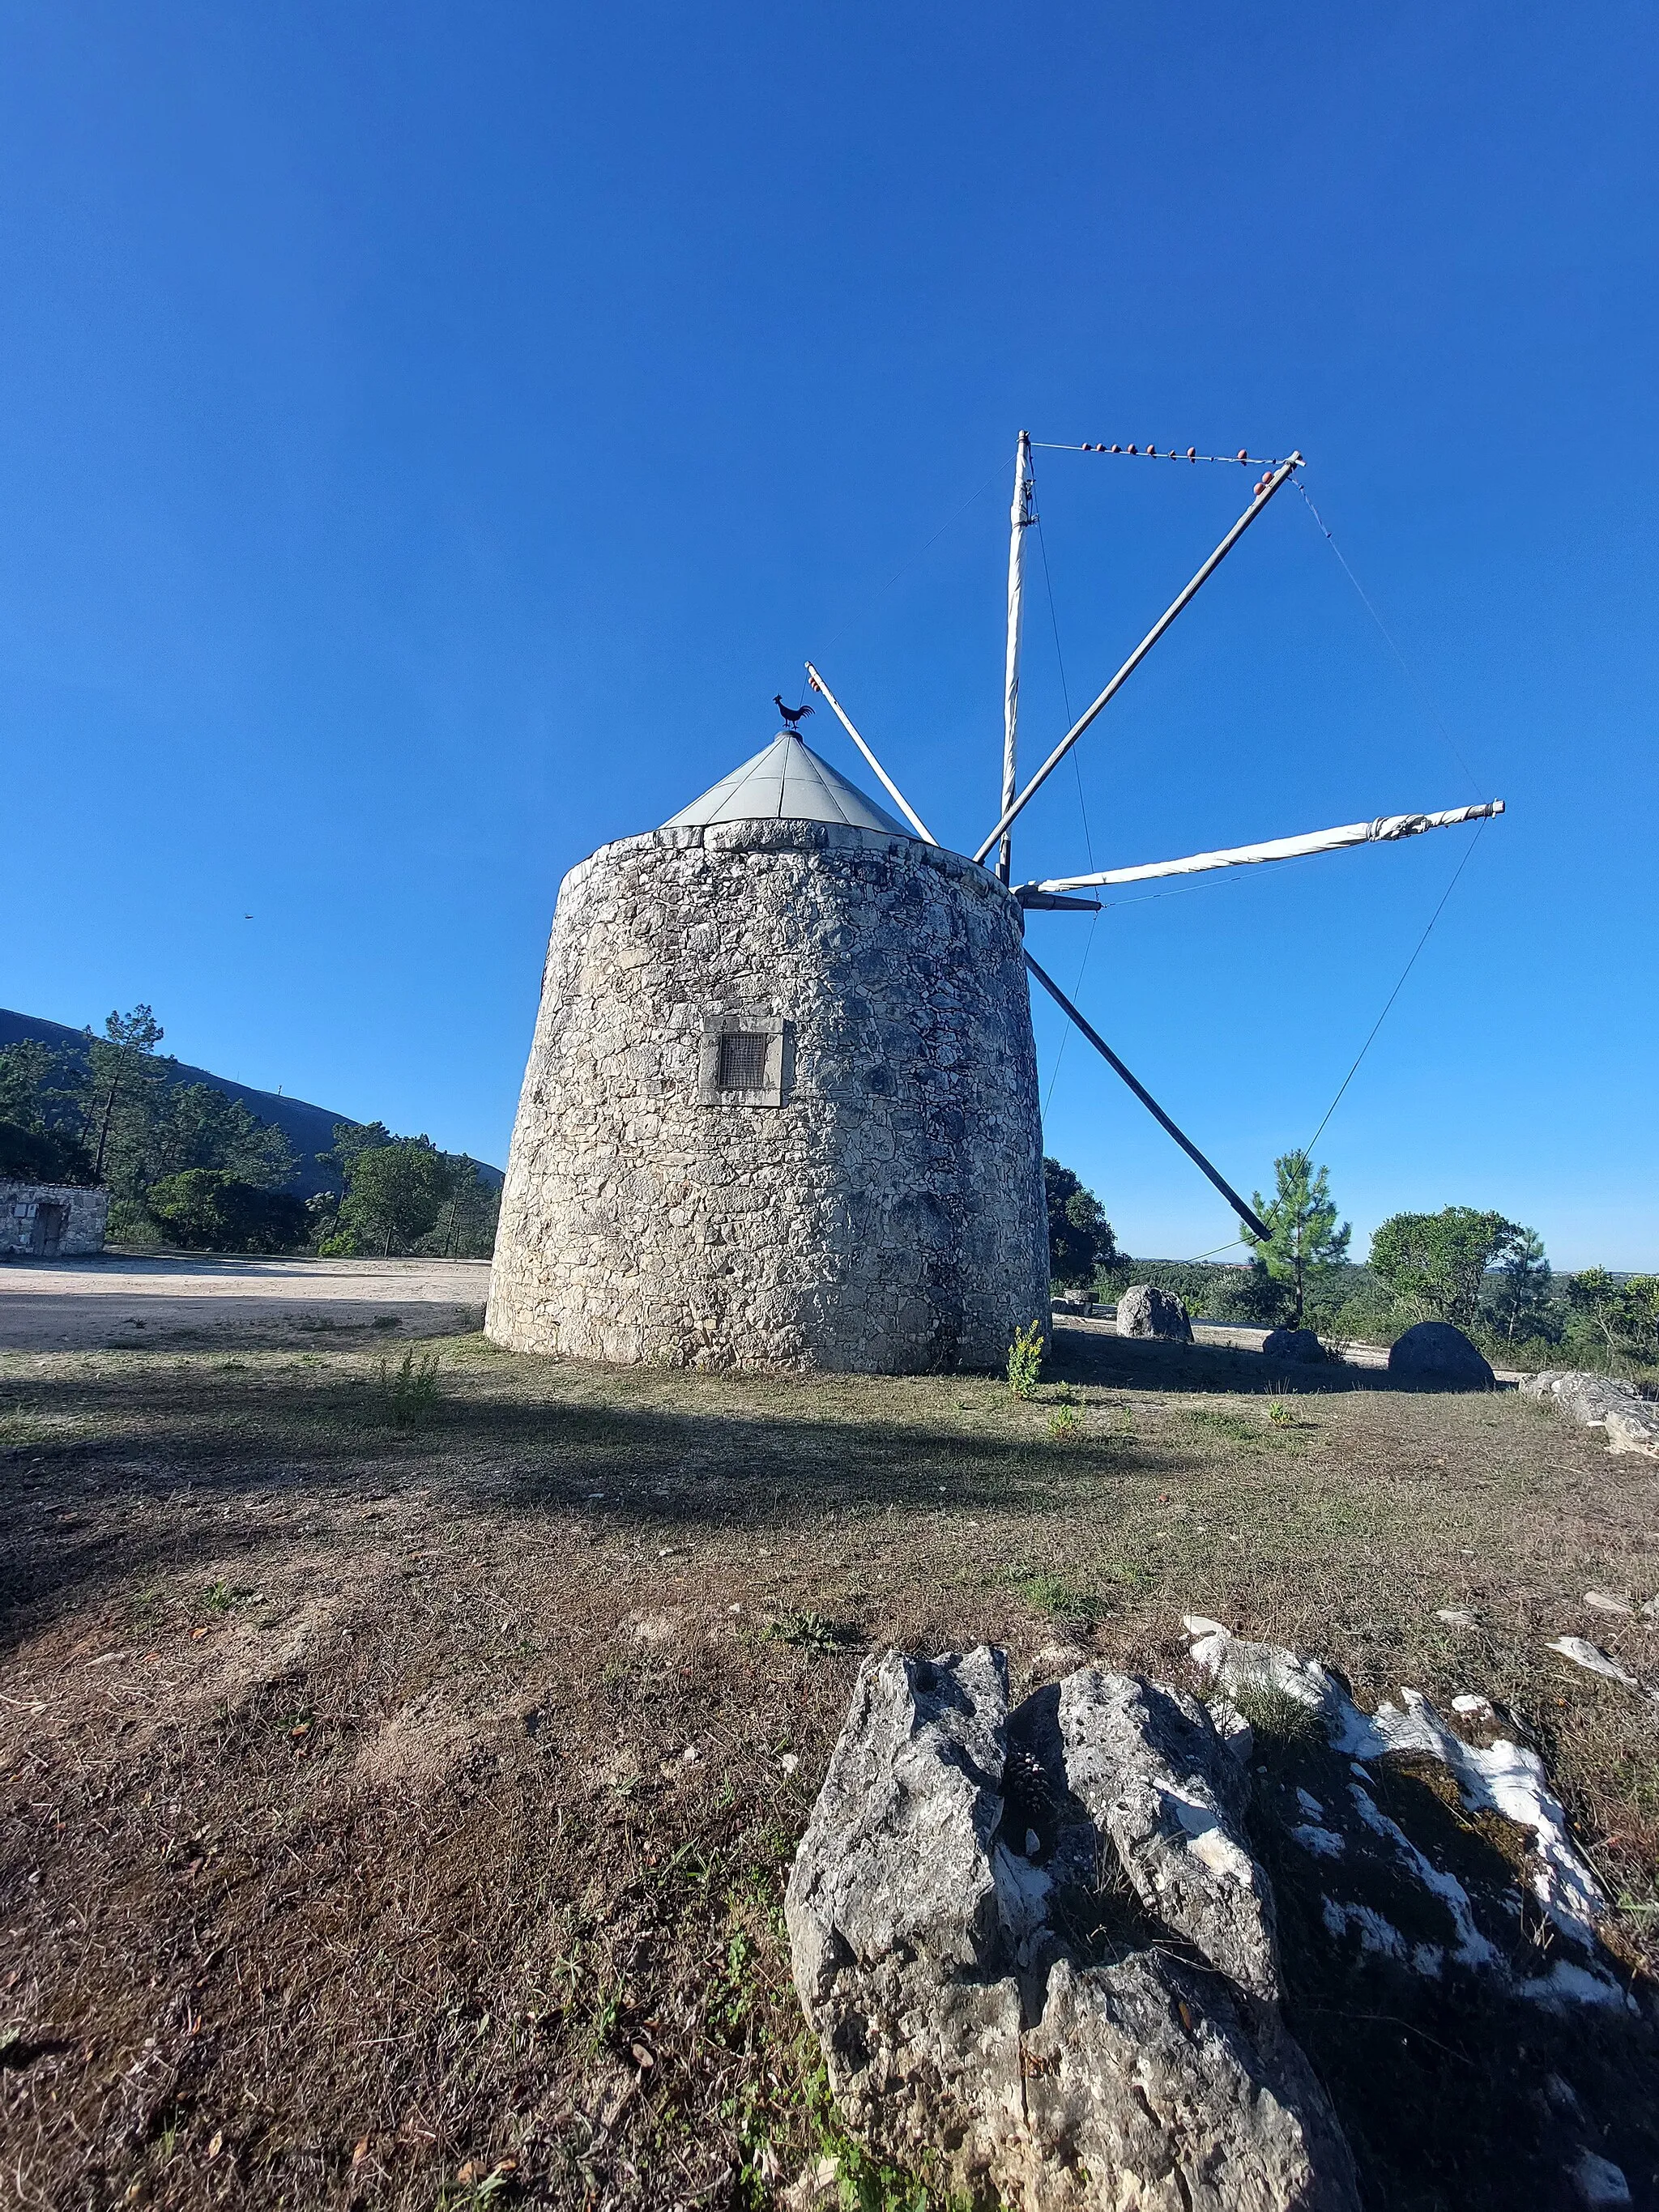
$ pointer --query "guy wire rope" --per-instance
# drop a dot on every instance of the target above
(1468, 856)
(1430, 709)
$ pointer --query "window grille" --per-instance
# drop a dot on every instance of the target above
(743, 1059)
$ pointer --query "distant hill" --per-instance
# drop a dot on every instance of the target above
(309, 1129)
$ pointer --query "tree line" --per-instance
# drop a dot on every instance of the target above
(188, 1166)
(1469, 1265)
(403, 1194)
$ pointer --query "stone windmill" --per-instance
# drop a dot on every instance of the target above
(781, 1105)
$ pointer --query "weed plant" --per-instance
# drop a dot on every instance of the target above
(811, 1631)
(409, 1391)
(1025, 1361)
(1052, 1593)
(1280, 1720)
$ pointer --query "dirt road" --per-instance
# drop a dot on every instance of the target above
(66, 1305)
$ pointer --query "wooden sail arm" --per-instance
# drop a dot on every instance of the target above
(1264, 491)
(1386, 829)
(887, 782)
(1021, 516)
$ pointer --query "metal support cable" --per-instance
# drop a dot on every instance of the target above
(1240, 459)
(1424, 701)
(1398, 988)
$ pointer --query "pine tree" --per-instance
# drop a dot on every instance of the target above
(1303, 1244)
(125, 1087)
(1522, 1306)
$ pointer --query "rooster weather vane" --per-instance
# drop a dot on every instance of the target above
(792, 715)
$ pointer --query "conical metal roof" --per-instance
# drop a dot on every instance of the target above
(786, 783)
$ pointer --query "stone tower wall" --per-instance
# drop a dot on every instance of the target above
(887, 1216)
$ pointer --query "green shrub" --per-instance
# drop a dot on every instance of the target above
(132, 1223)
(1615, 1320)
(206, 1210)
(409, 1391)
(1080, 1239)
(1438, 1265)
(1045, 1592)
(1025, 1361)
(1278, 1718)
(812, 1631)
(395, 1194)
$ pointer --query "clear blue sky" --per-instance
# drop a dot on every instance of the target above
(428, 435)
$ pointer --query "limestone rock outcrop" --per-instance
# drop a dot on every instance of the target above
(1436, 1354)
(1038, 1953)
(1145, 1310)
(1600, 1402)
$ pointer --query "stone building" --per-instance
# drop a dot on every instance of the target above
(46, 1220)
(781, 1104)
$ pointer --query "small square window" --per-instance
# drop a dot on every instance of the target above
(743, 1059)
(746, 1059)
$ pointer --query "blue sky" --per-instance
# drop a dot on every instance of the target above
(429, 435)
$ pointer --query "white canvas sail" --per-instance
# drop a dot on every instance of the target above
(1386, 829)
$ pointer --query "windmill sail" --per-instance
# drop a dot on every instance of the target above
(1387, 829)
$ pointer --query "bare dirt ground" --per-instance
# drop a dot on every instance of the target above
(113, 1299)
(398, 1794)
(70, 1304)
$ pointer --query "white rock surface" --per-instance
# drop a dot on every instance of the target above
(1502, 1777)
(1593, 1660)
(1599, 2185)
(1600, 1402)
(956, 2018)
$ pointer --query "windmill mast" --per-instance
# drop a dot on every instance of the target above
(1020, 517)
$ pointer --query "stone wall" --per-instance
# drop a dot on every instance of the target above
(30, 1223)
(884, 1215)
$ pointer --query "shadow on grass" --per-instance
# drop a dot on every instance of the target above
(518, 1435)
(1087, 1355)
(744, 1454)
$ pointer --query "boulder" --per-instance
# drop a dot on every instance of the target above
(1035, 1948)
(1145, 1310)
(1600, 1402)
(1142, 1762)
(1299, 1344)
(1436, 1354)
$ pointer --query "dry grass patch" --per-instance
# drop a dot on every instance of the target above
(396, 1807)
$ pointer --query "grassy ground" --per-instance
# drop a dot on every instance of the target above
(399, 1782)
